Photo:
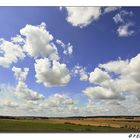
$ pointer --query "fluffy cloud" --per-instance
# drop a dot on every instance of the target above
(106, 108)
(51, 73)
(124, 31)
(102, 93)
(81, 71)
(38, 42)
(10, 104)
(122, 18)
(82, 16)
(9, 53)
(68, 48)
(117, 66)
(19, 74)
(58, 100)
(98, 76)
(115, 79)
(118, 18)
(22, 89)
(128, 69)
(57, 104)
(18, 39)
(124, 76)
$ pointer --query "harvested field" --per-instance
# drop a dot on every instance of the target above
(70, 125)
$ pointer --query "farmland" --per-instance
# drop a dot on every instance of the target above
(73, 124)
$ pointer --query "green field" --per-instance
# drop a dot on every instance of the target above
(46, 126)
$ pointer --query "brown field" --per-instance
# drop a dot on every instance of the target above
(132, 123)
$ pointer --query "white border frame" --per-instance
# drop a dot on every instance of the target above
(69, 2)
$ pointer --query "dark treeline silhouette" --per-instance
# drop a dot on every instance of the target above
(71, 117)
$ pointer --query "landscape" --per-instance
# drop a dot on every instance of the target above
(108, 124)
(69, 69)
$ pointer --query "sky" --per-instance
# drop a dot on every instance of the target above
(69, 61)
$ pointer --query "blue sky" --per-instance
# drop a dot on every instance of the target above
(96, 36)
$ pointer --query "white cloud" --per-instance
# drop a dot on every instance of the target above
(9, 53)
(117, 66)
(18, 39)
(118, 18)
(110, 9)
(81, 71)
(19, 74)
(127, 75)
(121, 16)
(8, 103)
(58, 100)
(102, 93)
(82, 16)
(38, 42)
(57, 104)
(124, 31)
(51, 73)
(98, 76)
(22, 89)
(125, 24)
(105, 108)
(115, 80)
(68, 48)
(58, 41)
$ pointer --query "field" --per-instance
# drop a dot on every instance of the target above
(69, 125)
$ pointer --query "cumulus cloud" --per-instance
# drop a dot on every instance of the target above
(126, 73)
(57, 104)
(98, 76)
(9, 53)
(117, 66)
(51, 73)
(58, 100)
(110, 9)
(19, 74)
(102, 93)
(118, 18)
(125, 24)
(68, 48)
(18, 39)
(121, 16)
(38, 42)
(60, 105)
(22, 89)
(124, 31)
(82, 16)
(105, 108)
(115, 79)
(81, 71)
(11, 104)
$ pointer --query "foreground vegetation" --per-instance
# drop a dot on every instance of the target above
(13, 125)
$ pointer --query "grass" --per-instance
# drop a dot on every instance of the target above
(46, 126)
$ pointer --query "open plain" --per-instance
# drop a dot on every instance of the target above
(70, 124)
